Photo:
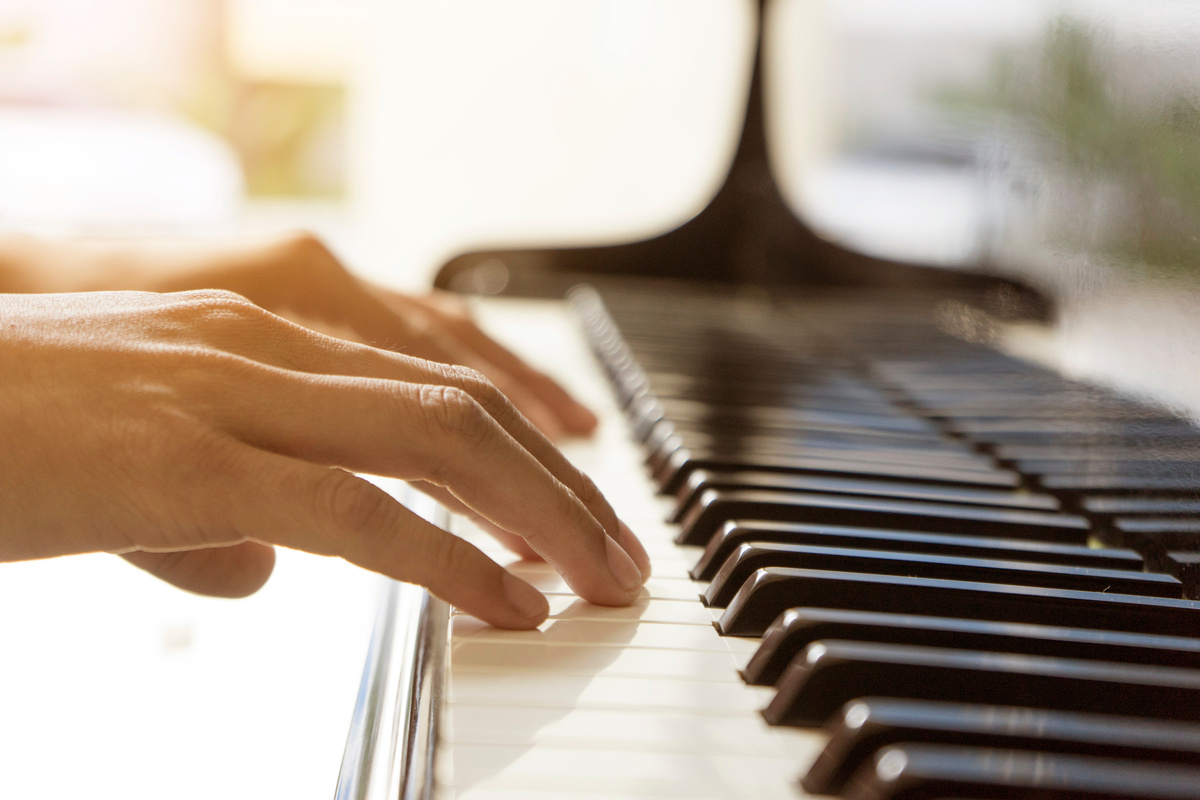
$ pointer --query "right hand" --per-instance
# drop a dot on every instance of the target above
(190, 432)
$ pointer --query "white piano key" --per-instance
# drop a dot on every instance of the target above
(646, 609)
(675, 589)
(615, 729)
(615, 771)
(682, 612)
(484, 793)
(492, 657)
(610, 634)
(715, 698)
(665, 588)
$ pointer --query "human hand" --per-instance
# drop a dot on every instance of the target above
(190, 432)
(297, 277)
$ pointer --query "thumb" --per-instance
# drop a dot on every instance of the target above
(235, 571)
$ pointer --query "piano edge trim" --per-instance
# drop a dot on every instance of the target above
(391, 745)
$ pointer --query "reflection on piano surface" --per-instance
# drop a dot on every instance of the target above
(909, 565)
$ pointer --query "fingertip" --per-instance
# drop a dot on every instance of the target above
(230, 572)
(633, 546)
(623, 568)
(579, 420)
(530, 605)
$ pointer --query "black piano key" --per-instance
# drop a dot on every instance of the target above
(1071, 434)
(1084, 466)
(1147, 428)
(797, 628)
(773, 590)
(665, 436)
(700, 480)
(1186, 567)
(1076, 440)
(664, 454)
(676, 468)
(760, 453)
(1106, 482)
(666, 446)
(753, 556)
(733, 534)
(998, 407)
(831, 673)
(1159, 534)
(792, 415)
(716, 508)
(866, 726)
(936, 772)
(1110, 506)
(950, 459)
(652, 421)
(1158, 453)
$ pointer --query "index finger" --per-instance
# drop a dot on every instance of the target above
(576, 417)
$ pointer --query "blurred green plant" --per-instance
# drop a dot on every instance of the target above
(1131, 155)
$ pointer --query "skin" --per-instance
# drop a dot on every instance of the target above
(190, 430)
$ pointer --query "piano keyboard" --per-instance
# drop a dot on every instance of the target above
(910, 566)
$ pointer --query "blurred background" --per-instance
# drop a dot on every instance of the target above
(401, 130)
(408, 131)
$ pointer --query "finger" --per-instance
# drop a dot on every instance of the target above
(351, 312)
(510, 540)
(445, 349)
(440, 434)
(574, 417)
(235, 571)
(331, 512)
(438, 343)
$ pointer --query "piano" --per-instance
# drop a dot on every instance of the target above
(902, 548)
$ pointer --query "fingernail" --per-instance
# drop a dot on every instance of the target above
(633, 547)
(525, 599)
(623, 569)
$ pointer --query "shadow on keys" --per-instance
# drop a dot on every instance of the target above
(589, 679)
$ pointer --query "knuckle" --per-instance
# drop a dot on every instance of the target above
(217, 307)
(588, 492)
(451, 412)
(469, 380)
(216, 300)
(305, 252)
(482, 390)
(346, 504)
(576, 514)
(218, 318)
